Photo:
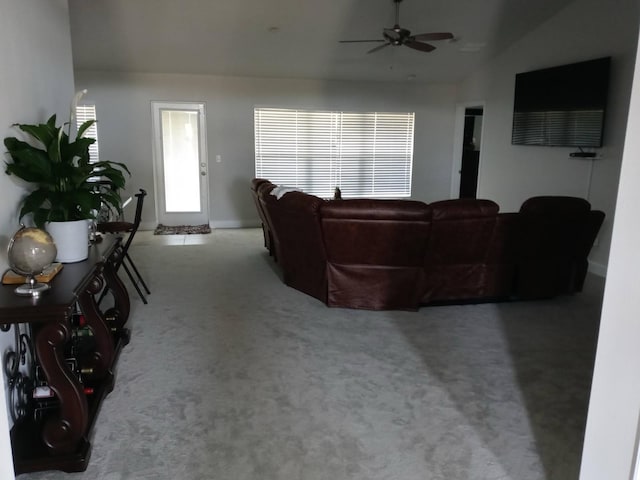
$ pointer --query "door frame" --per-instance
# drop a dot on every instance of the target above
(458, 139)
(158, 169)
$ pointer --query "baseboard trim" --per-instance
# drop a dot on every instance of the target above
(598, 269)
(212, 224)
(147, 226)
(233, 224)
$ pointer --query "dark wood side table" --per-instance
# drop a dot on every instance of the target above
(60, 438)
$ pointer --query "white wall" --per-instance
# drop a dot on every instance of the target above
(36, 80)
(123, 104)
(510, 174)
(612, 424)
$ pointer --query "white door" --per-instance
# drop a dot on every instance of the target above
(180, 163)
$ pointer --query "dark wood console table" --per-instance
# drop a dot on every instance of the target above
(56, 434)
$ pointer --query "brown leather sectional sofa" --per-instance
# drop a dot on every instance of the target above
(401, 254)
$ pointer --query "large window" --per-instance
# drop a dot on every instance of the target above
(364, 154)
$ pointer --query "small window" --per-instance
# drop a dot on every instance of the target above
(85, 113)
(366, 154)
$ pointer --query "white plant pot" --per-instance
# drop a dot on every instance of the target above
(71, 239)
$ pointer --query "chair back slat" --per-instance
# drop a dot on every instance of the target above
(138, 216)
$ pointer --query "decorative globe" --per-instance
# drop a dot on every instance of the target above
(31, 250)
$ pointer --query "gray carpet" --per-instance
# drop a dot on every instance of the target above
(231, 375)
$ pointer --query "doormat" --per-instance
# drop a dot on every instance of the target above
(181, 229)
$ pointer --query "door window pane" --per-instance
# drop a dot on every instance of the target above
(181, 161)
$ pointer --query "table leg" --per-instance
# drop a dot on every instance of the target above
(62, 430)
(122, 307)
(99, 362)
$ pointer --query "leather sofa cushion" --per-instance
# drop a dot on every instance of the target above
(458, 248)
(370, 209)
(296, 229)
(550, 232)
(463, 208)
(296, 201)
(375, 232)
(461, 232)
(555, 205)
(256, 182)
(264, 188)
(374, 252)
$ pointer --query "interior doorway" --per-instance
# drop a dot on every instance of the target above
(465, 167)
(471, 144)
(180, 163)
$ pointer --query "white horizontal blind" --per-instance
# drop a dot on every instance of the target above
(85, 113)
(365, 154)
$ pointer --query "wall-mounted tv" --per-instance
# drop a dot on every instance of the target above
(561, 106)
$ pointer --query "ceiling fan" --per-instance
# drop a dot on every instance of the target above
(401, 36)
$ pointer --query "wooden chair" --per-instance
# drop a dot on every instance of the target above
(124, 259)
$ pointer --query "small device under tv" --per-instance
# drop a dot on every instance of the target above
(562, 106)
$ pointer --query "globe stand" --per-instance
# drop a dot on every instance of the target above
(32, 288)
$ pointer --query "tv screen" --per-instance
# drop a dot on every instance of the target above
(561, 106)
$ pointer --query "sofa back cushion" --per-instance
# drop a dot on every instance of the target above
(296, 231)
(462, 231)
(457, 249)
(374, 252)
(558, 206)
(256, 184)
(551, 235)
(463, 208)
(375, 232)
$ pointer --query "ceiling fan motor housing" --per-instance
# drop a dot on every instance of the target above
(396, 35)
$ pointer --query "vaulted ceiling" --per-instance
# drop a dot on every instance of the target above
(296, 38)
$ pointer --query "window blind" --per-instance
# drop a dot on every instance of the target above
(366, 154)
(83, 114)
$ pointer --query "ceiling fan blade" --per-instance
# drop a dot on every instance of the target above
(360, 41)
(433, 36)
(378, 48)
(423, 47)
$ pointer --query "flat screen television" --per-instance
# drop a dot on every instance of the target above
(562, 106)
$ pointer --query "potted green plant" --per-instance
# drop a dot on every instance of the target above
(66, 182)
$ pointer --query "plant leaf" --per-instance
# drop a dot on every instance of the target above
(28, 161)
(79, 148)
(44, 133)
(54, 148)
(34, 201)
(41, 216)
(86, 125)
